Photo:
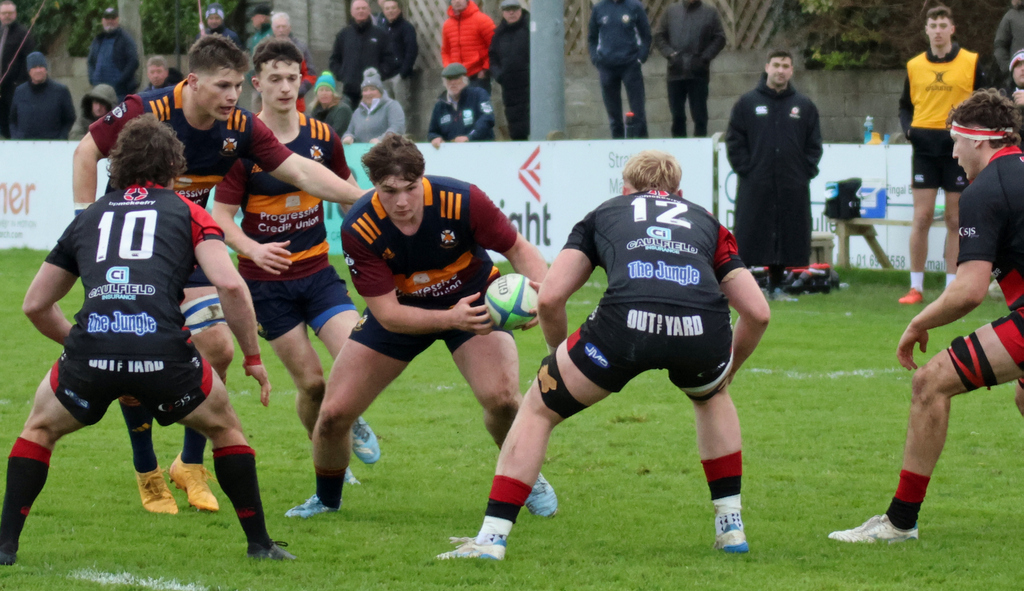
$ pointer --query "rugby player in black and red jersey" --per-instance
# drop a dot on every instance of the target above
(202, 110)
(416, 249)
(282, 242)
(138, 243)
(985, 139)
(673, 271)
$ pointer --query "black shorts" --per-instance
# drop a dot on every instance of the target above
(198, 278)
(170, 390)
(403, 347)
(283, 305)
(620, 341)
(933, 162)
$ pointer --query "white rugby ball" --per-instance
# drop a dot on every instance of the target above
(509, 300)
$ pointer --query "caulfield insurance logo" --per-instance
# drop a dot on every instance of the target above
(529, 174)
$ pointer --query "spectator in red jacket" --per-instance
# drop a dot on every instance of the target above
(466, 39)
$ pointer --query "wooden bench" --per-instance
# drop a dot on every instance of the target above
(866, 227)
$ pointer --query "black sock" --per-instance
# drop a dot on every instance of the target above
(501, 510)
(236, 472)
(725, 487)
(903, 514)
(776, 275)
(27, 467)
(328, 487)
(140, 430)
(193, 447)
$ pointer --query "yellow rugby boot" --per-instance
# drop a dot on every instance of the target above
(156, 497)
(192, 478)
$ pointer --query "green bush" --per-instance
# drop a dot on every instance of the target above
(80, 19)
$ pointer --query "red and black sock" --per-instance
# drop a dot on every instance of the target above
(27, 467)
(236, 472)
(724, 475)
(906, 504)
(508, 496)
(328, 486)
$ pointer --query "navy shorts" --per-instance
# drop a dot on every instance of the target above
(283, 305)
(170, 390)
(933, 163)
(620, 341)
(403, 347)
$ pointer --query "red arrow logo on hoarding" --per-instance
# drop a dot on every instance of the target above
(528, 174)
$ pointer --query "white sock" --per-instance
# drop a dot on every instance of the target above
(917, 280)
(493, 529)
(949, 278)
(727, 511)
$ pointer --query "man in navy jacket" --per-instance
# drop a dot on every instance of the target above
(619, 39)
(463, 113)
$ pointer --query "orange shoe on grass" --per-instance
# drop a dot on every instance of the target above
(913, 297)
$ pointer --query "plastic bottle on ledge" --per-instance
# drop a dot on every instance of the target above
(869, 127)
(629, 124)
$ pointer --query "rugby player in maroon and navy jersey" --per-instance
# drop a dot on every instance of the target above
(202, 110)
(985, 139)
(134, 251)
(673, 271)
(282, 241)
(417, 249)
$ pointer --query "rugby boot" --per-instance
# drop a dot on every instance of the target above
(275, 551)
(542, 500)
(364, 442)
(913, 297)
(156, 497)
(8, 558)
(732, 540)
(876, 529)
(492, 549)
(312, 506)
(192, 478)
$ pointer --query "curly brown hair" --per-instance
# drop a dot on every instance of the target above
(146, 151)
(213, 52)
(394, 155)
(988, 108)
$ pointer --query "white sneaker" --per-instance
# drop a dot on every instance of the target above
(877, 528)
(468, 548)
(732, 539)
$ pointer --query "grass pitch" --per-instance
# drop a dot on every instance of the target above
(822, 402)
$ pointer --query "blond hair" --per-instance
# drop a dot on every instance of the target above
(653, 170)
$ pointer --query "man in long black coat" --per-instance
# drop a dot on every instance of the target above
(774, 145)
(510, 66)
(14, 48)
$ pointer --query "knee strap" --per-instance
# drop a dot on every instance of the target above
(971, 363)
(202, 313)
(553, 391)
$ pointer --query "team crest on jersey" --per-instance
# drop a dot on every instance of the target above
(421, 278)
(795, 113)
(230, 147)
(625, 19)
(316, 153)
(448, 239)
(136, 194)
(388, 255)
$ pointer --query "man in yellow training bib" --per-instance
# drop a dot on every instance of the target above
(937, 80)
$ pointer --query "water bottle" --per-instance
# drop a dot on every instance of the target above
(628, 125)
(869, 126)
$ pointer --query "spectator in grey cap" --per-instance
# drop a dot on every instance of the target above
(113, 58)
(510, 66)
(215, 24)
(462, 113)
(376, 115)
(42, 108)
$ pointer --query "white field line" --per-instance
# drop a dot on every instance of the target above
(832, 375)
(126, 579)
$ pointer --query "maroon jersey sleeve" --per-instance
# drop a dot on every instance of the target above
(491, 229)
(727, 255)
(264, 147)
(371, 276)
(105, 131)
(231, 190)
(338, 164)
(203, 226)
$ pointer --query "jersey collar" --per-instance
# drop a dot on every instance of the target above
(1007, 151)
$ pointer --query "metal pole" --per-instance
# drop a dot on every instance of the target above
(547, 68)
(177, 33)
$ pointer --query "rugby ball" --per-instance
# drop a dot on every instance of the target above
(509, 300)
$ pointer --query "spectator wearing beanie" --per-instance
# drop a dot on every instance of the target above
(42, 108)
(1009, 34)
(215, 24)
(1015, 89)
(329, 107)
(466, 39)
(261, 28)
(376, 115)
